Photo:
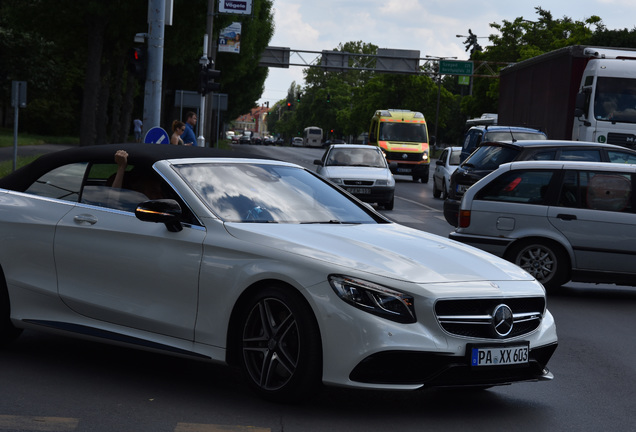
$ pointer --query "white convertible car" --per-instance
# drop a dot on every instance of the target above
(259, 264)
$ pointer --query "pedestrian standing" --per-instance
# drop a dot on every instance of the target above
(138, 127)
(177, 129)
(188, 136)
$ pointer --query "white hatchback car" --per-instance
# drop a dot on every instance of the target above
(361, 170)
(444, 167)
(559, 221)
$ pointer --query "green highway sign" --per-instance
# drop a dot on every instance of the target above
(455, 67)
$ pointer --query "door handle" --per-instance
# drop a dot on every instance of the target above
(85, 219)
(566, 216)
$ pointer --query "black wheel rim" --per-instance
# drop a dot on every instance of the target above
(271, 344)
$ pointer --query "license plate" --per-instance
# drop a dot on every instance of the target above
(404, 170)
(361, 191)
(461, 189)
(499, 356)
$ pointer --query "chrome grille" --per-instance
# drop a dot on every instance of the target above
(358, 182)
(473, 318)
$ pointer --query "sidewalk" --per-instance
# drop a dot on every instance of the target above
(6, 153)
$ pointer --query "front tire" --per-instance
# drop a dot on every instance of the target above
(436, 192)
(444, 191)
(544, 260)
(280, 347)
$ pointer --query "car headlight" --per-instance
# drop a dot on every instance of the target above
(425, 156)
(337, 181)
(381, 182)
(375, 299)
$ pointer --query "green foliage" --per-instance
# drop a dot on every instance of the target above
(75, 65)
(519, 40)
(356, 94)
(614, 38)
(75, 68)
(6, 167)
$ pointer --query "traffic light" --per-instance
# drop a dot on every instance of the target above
(138, 61)
(206, 80)
(328, 98)
(298, 97)
(289, 105)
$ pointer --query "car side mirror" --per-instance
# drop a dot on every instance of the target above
(317, 162)
(166, 211)
(439, 162)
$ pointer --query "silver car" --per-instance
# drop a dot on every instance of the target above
(445, 166)
(361, 170)
(559, 221)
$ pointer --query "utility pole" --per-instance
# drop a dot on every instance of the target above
(154, 74)
(210, 53)
(203, 61)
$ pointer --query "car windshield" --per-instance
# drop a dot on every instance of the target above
(266, 193)
(490, 157)
(510, 135)
(407, 132)
(615, 100)
(365, 157)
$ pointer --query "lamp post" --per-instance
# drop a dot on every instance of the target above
(439, 88)
(471, 41)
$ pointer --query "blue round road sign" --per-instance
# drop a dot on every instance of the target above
(157, 135)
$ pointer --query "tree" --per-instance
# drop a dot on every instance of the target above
(75, 65)
(519, 40)
(614, 38)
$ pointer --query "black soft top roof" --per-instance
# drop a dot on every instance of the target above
(138, 154)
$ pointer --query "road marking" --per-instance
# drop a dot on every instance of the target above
(34, 423)
(197, 427)
(419, 204)
(64, 424)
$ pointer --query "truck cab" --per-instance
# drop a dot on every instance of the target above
(606, 104)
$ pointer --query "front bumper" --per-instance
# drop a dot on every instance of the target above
(417, 170)
(377, 194)
(383, 354)
(437, 370)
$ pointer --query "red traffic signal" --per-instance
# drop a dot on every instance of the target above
(138, 61)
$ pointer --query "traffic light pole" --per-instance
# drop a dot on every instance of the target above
(204, 62)
(154, 73)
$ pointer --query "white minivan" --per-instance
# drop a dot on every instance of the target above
(560, 221)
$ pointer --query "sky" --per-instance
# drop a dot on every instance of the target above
(429, 26)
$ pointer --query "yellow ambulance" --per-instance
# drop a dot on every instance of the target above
(403, 137)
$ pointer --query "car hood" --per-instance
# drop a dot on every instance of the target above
(369, 173)
(389, 250)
